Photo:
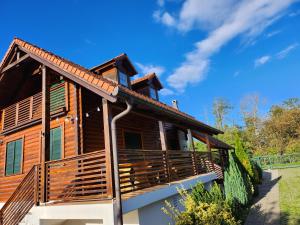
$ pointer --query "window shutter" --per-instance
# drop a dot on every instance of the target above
(18, 156)
(10, 158)
(57, 96)
(55, 144)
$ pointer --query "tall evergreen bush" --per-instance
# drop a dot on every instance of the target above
(236, 185)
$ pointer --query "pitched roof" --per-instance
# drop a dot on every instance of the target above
(146, 78)
(96, 83)
(65, 65)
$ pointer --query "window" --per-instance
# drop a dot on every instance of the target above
(133, 140)
(13, 157)
(55, 144)
(123, 79)
(153, 93)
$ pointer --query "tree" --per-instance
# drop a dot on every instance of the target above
(281, 130)
(250, 112)
(221, 108)
(236, 185)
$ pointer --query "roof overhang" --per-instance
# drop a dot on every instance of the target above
(214, 142)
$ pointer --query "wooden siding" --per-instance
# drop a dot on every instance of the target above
(32, 146)
(148, 127)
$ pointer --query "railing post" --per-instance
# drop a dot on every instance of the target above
(36, 185)
(195, 163)
(45, 130)
(107, 116)
(167, 167)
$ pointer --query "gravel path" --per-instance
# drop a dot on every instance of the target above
(266, 209)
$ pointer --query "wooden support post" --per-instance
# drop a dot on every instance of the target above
(209, 150)
(76, 121)
(45, 131)
(108, 145)
(162, 133)
(190, 140)
(192, 148)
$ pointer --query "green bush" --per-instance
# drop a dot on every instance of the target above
(244, 159)
(202, 207)
(237, 185)
(214, 195)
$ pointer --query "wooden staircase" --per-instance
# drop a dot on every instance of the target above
(22, 200)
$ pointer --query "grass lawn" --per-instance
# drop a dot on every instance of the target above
(289, 189)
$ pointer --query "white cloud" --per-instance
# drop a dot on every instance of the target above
(262, 60)
(273, 33)
(149, 68)
(237, 73)
(225, 20)
(284, 53)
(160, 3)
(294, 14)
(164, 18)
(166, 92)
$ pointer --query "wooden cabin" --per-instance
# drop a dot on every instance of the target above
(56, 142)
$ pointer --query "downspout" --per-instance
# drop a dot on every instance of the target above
(119, 212)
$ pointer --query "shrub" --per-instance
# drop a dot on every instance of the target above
(202, 208)
(237, 185)
(244, 159)
(214, 195)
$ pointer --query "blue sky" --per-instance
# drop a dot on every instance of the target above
(202, 49)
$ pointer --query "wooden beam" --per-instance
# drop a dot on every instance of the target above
(45, 131)
(23, 58)
(76, 121)
(80, 112)
(107, 116)
(209, 150)
(162, 134)
(190, 140)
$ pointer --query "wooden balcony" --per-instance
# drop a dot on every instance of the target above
(29, 110)
(84, 178)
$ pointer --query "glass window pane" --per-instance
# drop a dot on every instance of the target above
(123, 79)
(133, 140)
(153, 93)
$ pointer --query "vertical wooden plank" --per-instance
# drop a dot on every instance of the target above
(45, 130)
(30, 107)
(162, 135)
(2, 122)
(17, 113)
(80, 119)
(209, 150)
(108, 145)
(76, 121)
(190, 140)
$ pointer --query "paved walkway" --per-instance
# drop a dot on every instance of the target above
(266, 210)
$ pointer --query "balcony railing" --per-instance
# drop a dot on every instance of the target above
(30, 109)
(84, 177)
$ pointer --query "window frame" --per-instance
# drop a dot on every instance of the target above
(62, 153)
(153, 91)
(22, 156)
(127, 79)
(136, 132)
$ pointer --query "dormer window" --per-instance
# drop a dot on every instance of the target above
(153, 93)
(148, 85)
(123, 79)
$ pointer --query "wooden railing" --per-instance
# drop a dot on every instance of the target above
(141, 169)
(22, 200)
(30, 109)
(77, 178)
(84, 178)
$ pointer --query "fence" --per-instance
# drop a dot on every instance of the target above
(278, 161)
